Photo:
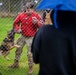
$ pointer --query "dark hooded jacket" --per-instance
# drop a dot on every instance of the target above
(55, 49)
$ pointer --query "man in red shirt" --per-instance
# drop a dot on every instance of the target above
(27, 24)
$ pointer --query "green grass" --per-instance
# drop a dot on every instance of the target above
(6, 25)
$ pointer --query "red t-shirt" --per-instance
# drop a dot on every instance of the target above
(24, 22)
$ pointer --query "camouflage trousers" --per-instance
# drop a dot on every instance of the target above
(22, 40)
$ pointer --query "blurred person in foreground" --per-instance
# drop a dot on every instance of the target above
(54, 46)
(26, 23)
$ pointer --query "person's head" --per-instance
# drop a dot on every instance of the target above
(29, 7)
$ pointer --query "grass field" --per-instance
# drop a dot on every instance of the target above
(6, 25)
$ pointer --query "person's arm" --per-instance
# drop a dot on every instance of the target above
(36, 44)
(16, 24)
(40, 21)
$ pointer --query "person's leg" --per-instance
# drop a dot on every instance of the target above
(29, 55)
(21, 43)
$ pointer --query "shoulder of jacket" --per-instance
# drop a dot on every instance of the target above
(22, 13)
(35, 13)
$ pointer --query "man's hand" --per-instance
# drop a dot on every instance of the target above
(34, 20)
(18, 31)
